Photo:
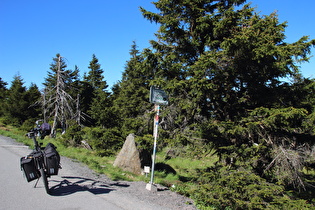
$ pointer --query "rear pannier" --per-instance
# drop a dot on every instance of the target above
(52, 159)
(29, 168)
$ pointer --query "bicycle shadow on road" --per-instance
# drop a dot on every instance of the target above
(72, 185)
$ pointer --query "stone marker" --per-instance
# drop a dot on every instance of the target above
(132, 159)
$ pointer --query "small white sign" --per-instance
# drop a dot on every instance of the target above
(146, 169)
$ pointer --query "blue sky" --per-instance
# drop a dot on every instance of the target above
(32, 32)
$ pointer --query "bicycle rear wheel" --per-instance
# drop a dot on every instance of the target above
(44, 177)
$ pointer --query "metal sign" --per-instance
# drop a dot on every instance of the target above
(158, 96)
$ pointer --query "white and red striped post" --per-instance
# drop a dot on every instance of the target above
(155, 133)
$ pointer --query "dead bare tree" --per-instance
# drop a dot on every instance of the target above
(57, 101)
(62, 101)
(288, 157)
(79, 115)
(288, 164)
(57, 104)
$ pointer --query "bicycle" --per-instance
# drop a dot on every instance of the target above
(42, 162)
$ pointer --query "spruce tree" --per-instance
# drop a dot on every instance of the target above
(131, 95)
(95, 96)
(16, 103)
(33, 95)
(92, 81)
(222, 64)
(3, 92)
(219, 61)
(95, 76)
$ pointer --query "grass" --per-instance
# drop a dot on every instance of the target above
(186, 166)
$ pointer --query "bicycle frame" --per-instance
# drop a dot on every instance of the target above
(39, 159)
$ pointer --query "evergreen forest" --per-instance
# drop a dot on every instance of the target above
(235, 91)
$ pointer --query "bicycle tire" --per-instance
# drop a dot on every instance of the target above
(45, 180)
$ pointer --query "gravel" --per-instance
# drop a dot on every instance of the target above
(162, 197)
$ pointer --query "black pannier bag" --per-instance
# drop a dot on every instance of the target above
(52, 159)
(29, 168)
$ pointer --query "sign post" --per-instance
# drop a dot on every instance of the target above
(158, 97)
(155, 133)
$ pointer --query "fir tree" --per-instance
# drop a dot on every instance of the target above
(95, 76)
(223, 64)
(3, 92)
(131, 95)
(219, 61)
(16, 103)
(95, 96)
(33, 95)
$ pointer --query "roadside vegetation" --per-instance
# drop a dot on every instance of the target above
(238, 132)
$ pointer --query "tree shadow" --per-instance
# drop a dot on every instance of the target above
(72, 184)
(165, 168)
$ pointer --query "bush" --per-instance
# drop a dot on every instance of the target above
(240, 189)
(106, 141)
(28, 125)
(73, 136)
(144, 142)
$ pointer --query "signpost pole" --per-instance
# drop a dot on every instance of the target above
(155, 132)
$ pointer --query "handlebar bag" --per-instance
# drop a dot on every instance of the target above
(29, 168)
(52, 159)
(45, 130)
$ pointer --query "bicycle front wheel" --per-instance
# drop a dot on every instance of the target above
(44, 177)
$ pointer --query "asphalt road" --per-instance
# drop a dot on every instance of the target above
(69, 190)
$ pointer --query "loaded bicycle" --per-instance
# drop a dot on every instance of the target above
(42, 162)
